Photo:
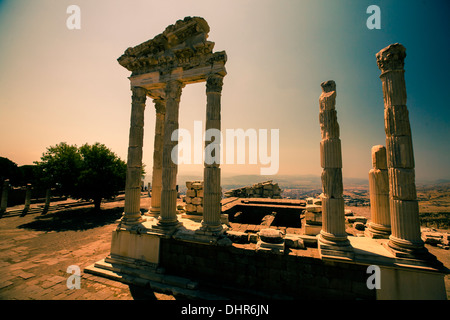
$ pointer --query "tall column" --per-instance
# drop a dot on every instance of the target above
(4, 201)
(380, 225)
(212, 194)
(405, 239)
(160, 106)
(333, 238)
(132, 214)
(168, 213)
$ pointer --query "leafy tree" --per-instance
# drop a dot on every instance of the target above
(102, 174)
(91, 172)
(60, 167)
(8, 170)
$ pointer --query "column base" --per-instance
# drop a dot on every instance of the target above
(333, 247)
(377, 231)
(208, 229)
(166, 227)
(401, 248)
(130, 221)
(153, 212)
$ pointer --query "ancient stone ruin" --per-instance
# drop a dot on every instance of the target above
(267, 189)
(194, 199)
(268, 251)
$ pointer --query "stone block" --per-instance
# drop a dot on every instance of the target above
(313, 218)
(197, 201)
(270, 235)
(191, 193)
(191, 208)
(188, 200)
(143, 247)
(312, 230)
(330, 153)
(359, 226)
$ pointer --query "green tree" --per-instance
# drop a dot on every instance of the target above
(102, 174)
(60, 167)
(91, 172)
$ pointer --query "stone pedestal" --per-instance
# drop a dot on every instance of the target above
(405, 240)
(132, 214)
(380, 224)
(332, 240)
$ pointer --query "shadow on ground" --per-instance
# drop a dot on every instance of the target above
(74, 219)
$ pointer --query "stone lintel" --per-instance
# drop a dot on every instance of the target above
(154, 81)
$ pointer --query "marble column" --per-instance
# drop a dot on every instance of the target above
(168, 213)
(4, 201)
(405, 239)
(333, 238)
(132, 214)
(160, 106)
(212, 194)
(380, 225)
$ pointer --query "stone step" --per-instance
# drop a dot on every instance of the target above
(169, 284)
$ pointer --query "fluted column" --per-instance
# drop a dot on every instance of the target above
(405, 238)
(380, 225)
(212, 194)
(160, 106)
(132, 214)
(168, 213)
(332, 236)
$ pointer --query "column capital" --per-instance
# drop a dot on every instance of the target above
(173, 90)
(391, 58)
(160, 105)
(139, 94)
(214, 83)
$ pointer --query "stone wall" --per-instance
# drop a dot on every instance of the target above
(194, 197)
(266, 189)
(287, 275)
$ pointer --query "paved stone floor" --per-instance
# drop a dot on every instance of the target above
(35, 252)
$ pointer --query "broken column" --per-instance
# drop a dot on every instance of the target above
(48, 197)
(4, 202)
(160, 107)
(333, 238)
(132, 214)
(212, 194)
(405, 239)
(27, 200)
(380, 225)
(168, 213)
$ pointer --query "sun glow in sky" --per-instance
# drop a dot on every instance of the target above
(60, 85)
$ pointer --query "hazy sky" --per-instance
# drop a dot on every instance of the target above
(66, 85)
